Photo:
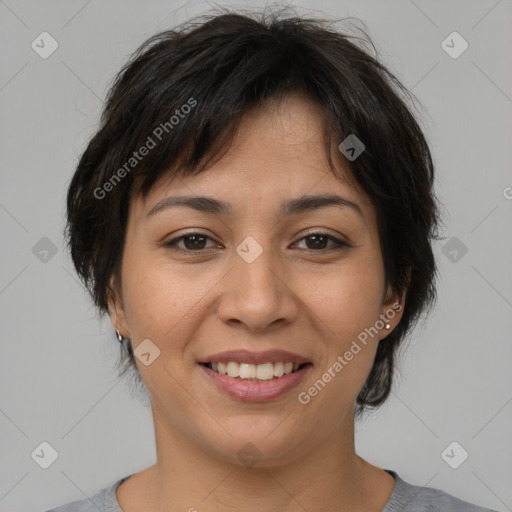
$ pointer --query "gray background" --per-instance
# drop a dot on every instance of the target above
(57, 377)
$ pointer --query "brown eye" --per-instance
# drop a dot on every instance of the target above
(191, 242)
(196, 242)
(318, 242)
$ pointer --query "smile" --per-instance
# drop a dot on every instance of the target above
(253, 389)
(255, 372)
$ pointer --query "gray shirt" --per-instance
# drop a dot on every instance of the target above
(404, 498)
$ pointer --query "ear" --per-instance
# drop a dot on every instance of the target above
(115, 307)
(393, 307)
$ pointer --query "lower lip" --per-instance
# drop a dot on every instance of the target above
(253, 391)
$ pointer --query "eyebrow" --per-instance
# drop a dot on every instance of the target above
(292, 207)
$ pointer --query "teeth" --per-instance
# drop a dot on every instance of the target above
(233, 369)
(245, 371)
(265, 371)
(278, 370)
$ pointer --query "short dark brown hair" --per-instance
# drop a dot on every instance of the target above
(221, 66)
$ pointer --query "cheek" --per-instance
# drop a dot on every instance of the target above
(157, 296)
(347, 300)
(348, 305)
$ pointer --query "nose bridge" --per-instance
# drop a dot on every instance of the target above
(256, 293)
(256, 268)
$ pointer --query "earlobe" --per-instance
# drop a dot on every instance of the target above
(115, 308)
(392, 310)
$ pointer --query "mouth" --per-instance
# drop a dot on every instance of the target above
(255, 372)
(255, 377)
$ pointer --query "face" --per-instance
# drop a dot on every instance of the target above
(256, 278)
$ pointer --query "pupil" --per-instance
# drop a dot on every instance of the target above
(196, 243)
(316, 238)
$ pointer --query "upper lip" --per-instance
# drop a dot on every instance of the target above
(246, 356)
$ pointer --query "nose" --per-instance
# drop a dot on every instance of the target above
(259, 294)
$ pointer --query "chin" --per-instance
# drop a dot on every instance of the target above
(267, 444)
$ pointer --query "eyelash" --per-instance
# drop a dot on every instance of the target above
(340, 244)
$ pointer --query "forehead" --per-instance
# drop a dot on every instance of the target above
(277, 153)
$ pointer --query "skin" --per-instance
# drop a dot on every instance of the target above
(296, 296)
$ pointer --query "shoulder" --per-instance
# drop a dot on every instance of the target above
(407, 497)
(103, 501)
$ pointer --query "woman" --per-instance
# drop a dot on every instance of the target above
(255, 214)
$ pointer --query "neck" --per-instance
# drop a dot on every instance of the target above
(188, 477)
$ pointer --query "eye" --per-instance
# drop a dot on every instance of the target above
(193, 242)
(196, 242)
(319, 240)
